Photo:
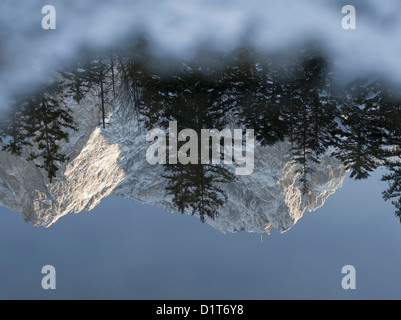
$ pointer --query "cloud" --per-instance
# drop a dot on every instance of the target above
(181, 27)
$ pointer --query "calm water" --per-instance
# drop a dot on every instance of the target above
(243, 170)
(124, 250)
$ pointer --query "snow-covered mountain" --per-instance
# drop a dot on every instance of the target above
(113, 161)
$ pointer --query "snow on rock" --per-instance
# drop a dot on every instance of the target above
(112, 161)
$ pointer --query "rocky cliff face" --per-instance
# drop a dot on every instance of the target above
(112, 161)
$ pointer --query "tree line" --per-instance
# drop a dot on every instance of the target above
(298, 99)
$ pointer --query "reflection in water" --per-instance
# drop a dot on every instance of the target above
(82, 137)
(38, 120)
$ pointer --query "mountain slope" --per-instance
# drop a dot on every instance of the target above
(112, 161)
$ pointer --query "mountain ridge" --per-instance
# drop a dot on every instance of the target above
(112, 161)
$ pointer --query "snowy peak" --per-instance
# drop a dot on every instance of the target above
(112, 161)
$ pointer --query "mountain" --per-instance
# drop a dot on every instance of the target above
(111, 161)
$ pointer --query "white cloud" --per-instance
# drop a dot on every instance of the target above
(180, 27)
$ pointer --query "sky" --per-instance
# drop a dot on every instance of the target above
(124, 250)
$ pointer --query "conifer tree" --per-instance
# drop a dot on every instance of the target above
(48, 124)
(76, 79)
(360, 145)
